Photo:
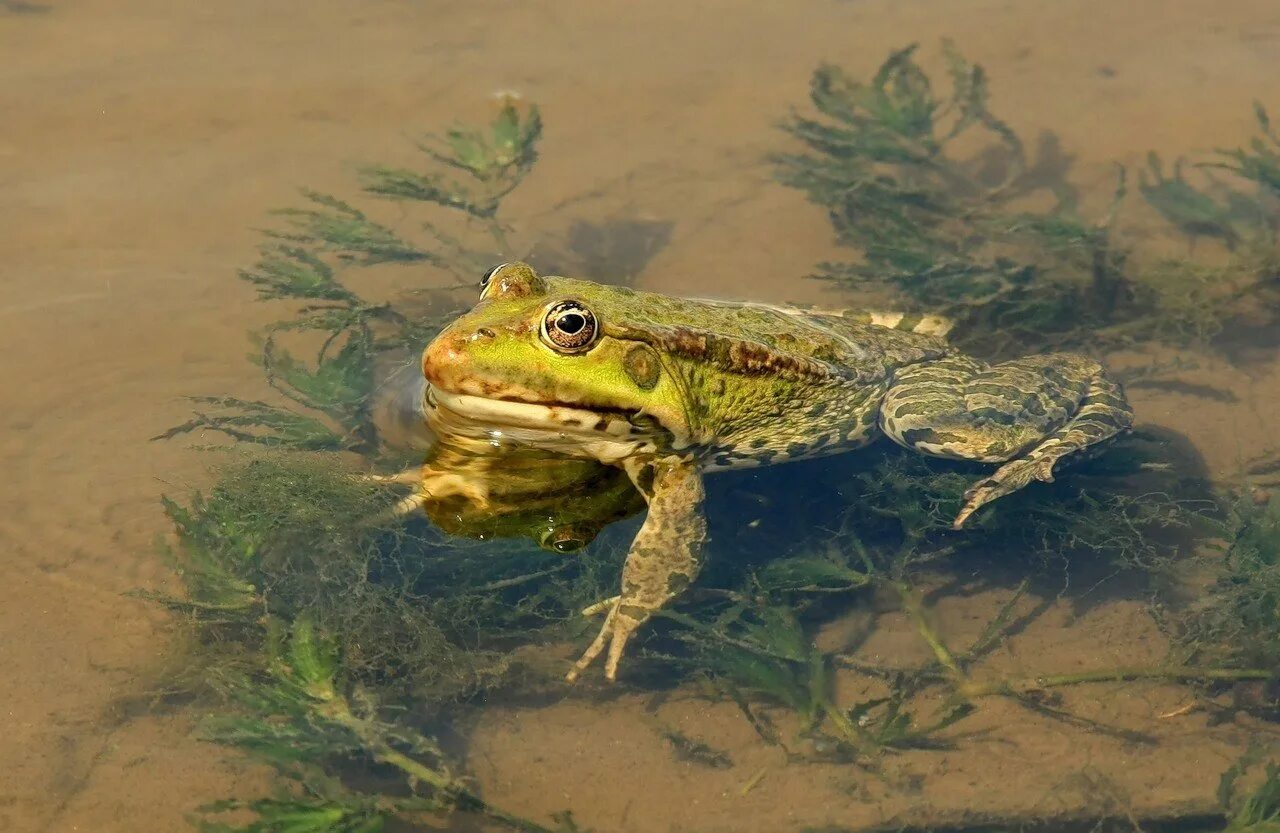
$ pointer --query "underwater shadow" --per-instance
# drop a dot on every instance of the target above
(829, 508)
(20, 7)
(612, 251)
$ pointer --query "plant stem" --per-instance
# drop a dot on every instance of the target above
(914, 606)
(339, 711)
(852, 732)
(1025, 685)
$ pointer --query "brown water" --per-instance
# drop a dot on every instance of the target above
(143, 141)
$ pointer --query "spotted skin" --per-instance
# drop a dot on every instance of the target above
(669, 389)
(1028, 413)
(664, 558)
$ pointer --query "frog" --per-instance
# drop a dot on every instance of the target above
(669, 390)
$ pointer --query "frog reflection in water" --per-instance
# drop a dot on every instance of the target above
(468, 489)
(560, 502)
(667, 390)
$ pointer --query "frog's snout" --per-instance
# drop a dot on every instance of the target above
(447, 357)
(443, 358)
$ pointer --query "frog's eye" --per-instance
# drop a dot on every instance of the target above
(488, 277)
(569, 327)
(563, 539)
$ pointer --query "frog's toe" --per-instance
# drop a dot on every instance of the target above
(620, 623)
(602, 606)
(1007, 479)
(408, 505)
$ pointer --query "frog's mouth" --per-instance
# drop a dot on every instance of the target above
(605, 435)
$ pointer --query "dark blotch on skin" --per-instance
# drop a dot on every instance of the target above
(641, 364)
(739, 356)
(644, 481)
(993, 415)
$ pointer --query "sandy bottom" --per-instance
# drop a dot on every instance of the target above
(144, 141)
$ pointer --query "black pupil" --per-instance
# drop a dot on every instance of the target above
(571, 323)
(568, 544)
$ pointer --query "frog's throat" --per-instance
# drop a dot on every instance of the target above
(577, 432)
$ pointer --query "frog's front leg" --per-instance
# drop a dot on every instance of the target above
(432, 484)
(1028, 414)
(664, 558)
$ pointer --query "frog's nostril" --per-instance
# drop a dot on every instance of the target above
(483, 334)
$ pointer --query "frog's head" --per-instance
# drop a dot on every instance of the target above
(551, 356)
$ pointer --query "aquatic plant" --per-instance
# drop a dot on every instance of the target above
(1237, 621)
(314, 624)
(1259, 810)
(954, 233)
(307, 263)
(301, 716)
(22, 7)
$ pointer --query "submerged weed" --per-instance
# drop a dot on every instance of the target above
(1257, 811)
(410, 608)
(891, 161)
(302, 716)
(1237, 621)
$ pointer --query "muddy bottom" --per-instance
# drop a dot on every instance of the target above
(1146, 750)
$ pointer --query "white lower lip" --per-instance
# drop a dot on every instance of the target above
(556, 428)
(522, 414)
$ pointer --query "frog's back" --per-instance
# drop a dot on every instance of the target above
(837, 342)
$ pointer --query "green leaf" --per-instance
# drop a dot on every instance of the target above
(339, 227)
(295, 272)
(311, 660)
(260, 423)
(809, 574)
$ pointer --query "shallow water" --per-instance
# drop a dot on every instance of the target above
(144, 143)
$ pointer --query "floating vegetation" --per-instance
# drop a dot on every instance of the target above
(335, 637)
(948, 220)
(315, 623)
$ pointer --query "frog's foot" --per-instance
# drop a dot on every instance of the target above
(1007, 479)
(620, 622)
(407, 505)
(440, 485)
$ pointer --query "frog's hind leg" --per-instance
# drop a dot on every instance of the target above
(663, 561)
(1028, 414)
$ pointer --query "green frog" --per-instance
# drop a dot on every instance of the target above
(667, 390)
